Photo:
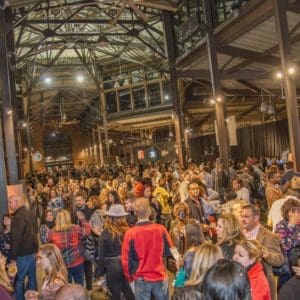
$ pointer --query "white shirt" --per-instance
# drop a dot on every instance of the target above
(275, 210)
(243, 194)
(183, 191)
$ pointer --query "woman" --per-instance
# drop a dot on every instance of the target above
(177, 232)
(155, 205)
(6, 279)
(226, 280)
(109, 253)
(55, 202)
(248, 253)
(67, 237)
(5, 238)
(228, 231)
(94, 187)
(47, 225)
(206, 256)
(113, 198)
(193, 238)
(288, 231)
(49, 259)
(162, 196)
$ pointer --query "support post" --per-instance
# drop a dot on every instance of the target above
(216, 85)
(280, 13)
(178, 114)
(7, 113)
(96, 161)
(102, 100)
(100, 145)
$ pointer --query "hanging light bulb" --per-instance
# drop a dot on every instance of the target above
(117, 84)
(126, 82)
(264, 107)
(271, 110)
(170, 132)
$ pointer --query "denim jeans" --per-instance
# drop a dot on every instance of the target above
(26, 267)
(77, 274)
(144, 289)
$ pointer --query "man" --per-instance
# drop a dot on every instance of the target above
(24, 244)
(80, 207)
(273, 190)
(288, 172)
(144, 247)
(271, 252)
(131, 218)
(291, 290)
(241, 191)
(194, 203)
(220, 179)
(183, 190)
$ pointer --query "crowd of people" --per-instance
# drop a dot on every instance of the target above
(155, 232)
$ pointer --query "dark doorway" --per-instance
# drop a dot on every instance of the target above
(58, 150)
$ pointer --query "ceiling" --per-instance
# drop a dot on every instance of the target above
(106, 40)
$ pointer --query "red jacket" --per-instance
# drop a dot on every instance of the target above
(259, 284)
(143, 249)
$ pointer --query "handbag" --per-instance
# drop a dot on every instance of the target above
(180, 278)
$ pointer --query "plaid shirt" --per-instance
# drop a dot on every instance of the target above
(68, 241)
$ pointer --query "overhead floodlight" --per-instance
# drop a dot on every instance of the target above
(291, 70)
(167, 97)
(219, 99)
(212, 101)
(80, 78)
(8, 111)
(48, 80)
(279, 75)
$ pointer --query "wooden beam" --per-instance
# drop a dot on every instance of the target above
(250, 55)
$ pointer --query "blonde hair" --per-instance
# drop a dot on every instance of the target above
(4, 279)
(58, 267)
(141, 207)
(232, 228)
(63, 220)
(252, 247)
(206, 255)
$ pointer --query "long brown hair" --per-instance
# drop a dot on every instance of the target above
(117, 226)
(58, 267)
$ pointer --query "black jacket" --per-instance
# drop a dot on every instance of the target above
(23, 233)
(196, 210)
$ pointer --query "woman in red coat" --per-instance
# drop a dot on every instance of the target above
(248, 254)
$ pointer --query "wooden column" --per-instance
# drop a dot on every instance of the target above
(178, 114)
(7, 108)
(118, 101)
(100, 143)
(131, 92)
(96, 161)
(216, 85)
(102, 102)
(280, 13)
(161, 90)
